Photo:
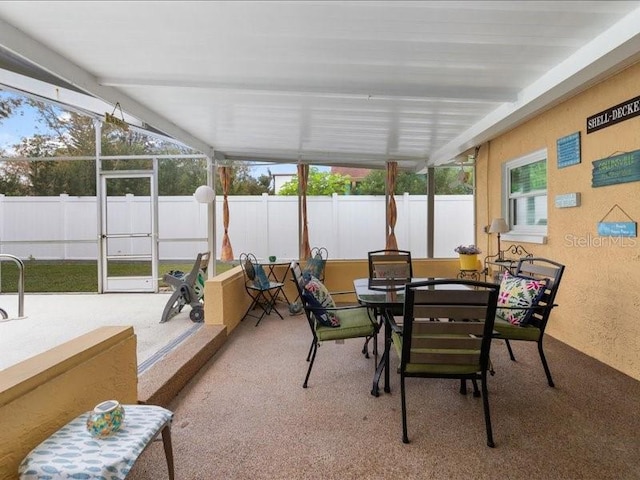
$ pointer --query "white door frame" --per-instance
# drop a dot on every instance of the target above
(129, 283)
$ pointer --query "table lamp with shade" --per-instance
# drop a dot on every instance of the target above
(498, 225)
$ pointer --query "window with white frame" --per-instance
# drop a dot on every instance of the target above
(525, 196)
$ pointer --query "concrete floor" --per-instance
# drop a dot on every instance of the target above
(51, 319)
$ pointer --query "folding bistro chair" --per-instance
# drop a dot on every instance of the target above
(263, 292)
(446, 333)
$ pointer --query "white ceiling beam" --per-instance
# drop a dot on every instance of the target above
(25, 47)
(617, 47)
(416, 93)
(64, 97)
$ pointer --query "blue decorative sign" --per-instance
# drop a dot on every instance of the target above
(617, 229)
(567, 200)
(568, 150)
(618, 169)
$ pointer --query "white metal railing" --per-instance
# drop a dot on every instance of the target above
(20, 265)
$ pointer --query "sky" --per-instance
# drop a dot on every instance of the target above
(17, 126)
(24, 124)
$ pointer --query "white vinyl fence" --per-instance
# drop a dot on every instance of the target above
(65, 228)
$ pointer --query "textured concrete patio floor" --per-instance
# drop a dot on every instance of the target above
(245, 415)
(51, 319)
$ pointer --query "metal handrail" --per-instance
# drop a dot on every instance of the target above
(20, 264)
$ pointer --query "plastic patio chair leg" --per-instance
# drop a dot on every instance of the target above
(173, 306)
(544, 365)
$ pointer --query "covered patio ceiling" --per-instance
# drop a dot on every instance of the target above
(332, 83)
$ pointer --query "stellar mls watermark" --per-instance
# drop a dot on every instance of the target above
(590, 241)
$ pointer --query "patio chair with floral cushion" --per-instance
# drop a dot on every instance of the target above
(330, 322)
(525, 302)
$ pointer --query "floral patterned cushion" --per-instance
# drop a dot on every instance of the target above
(520, 294)
(316, 295)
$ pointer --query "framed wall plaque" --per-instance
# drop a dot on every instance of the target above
(568, 150)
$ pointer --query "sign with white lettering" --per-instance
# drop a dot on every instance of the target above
(619, 169)
(567, 200)
(617, 229)
(613, 115)
(568, 149)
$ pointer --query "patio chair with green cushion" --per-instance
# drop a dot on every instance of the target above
(330, 322)
(446, 333)
(525, 302)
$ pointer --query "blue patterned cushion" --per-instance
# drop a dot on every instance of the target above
(520, 294)
(261, 281)
(316, 295)
(314, 266)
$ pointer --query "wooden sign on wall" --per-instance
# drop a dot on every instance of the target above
(618, 169)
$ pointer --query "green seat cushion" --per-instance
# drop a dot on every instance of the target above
(516, 332)
(433, 369)
(354, 322)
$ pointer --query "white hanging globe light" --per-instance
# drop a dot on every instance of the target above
(204, 194)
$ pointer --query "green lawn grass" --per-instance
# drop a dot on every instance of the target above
(77, 276)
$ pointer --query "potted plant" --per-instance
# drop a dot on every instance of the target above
(468, 256)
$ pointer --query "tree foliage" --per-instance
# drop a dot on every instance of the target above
(406, 182)
(8, 105)
(325, 183)
(320, 183)
(69, 134)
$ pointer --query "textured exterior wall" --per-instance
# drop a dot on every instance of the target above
(43, 393)
(225, 299)
(600, 293)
